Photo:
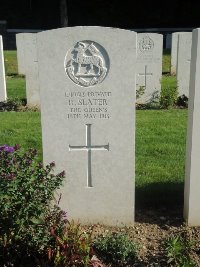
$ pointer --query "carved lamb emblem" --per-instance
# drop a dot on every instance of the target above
(86, 64)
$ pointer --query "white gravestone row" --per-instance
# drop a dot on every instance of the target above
(31, 69)
(28, 65)
(3, 93)
(192, 179)
(174, 51)
(183, 63)
(149, 66)
(20, 53)
(87, 86)
(88, 119)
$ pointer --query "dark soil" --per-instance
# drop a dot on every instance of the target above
(151, 229)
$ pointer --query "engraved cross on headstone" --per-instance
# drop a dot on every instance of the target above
(89, 147)
(145, 74)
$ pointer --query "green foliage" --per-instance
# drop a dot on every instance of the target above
(177, 250)
(12, 104)
(166, 62)
(168, 96)
(116, 249)
(72, 247)
(26, 210)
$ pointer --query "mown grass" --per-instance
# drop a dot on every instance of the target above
(10, 59)
(16, 87)
(168, 81)
(166, 63)
(22, 128)
(160, 156)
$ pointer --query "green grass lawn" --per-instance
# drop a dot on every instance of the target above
(10, 59)
(22, 128)
(166, 63)
(16, 87)
(160, 156)
(169, 81)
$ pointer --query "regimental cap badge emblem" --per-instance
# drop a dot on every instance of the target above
(146, 44)
(87, 63)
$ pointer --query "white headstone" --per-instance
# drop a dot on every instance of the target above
(20, 53)
(31, 69)
(192, 179)
(183, 62)
(3, 93)
(174, 52)
(87, 86)
(149, 65)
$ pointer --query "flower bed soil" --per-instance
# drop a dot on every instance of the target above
(150, 230)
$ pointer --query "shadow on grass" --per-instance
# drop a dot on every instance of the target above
(15, 75)
(160, 200)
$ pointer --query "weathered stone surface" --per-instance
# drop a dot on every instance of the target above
(183, 62)
(87, 84)
(20, 53)
(31, 69)
(149, 66)
(174, 52)
(192, 178)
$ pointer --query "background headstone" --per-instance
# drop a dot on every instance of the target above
(31, 69)
(149, 65)
(174, 52)
(183, 62)
(87, 87)
(192, 179)
(3, 93)
(20, 53)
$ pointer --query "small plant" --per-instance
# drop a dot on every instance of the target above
(26, 210)
(12, 104)
(116, 249)
(168, 97)
(72, 248)
(177, 250)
